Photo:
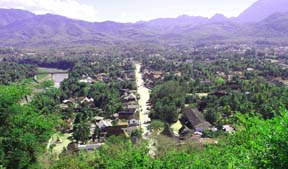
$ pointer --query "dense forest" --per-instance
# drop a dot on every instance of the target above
(13, 72)
(24, 129)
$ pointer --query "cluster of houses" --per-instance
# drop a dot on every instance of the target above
(150, 77)
(122, 123)
(101, 77)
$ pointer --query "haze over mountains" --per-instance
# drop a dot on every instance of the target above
(262, 9)
(266, 20)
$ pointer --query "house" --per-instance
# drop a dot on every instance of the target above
(89, 147)
(86, 79)
(129, 98)
(213, 128)
(115, 130)
(198, 133)
(153, 75)
(128, 112)
(103, 124)
(124, 91)
(115, 116)
(228, 128)
(250, 69)
(131, 105)
(195, 119)
(67, 101)
(134, 122)
(87, 100)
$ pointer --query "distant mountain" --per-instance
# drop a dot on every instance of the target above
(169, 24)
(219, 18)
(262, 9)
(273, 26)
(8, 16)
(55, 30)
(24, 29)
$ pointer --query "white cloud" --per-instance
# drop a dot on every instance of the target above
(68, 8)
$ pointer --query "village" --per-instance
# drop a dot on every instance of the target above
(109, 97)
(133, 120)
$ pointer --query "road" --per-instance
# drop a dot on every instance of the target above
(143, 115)
(144, 98)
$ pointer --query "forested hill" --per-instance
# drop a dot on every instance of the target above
(24, 29)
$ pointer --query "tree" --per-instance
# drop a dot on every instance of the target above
(167, 100)
(156, 125)
(81, 131)
(23, 130)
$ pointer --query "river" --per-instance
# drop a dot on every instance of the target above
(57, 78)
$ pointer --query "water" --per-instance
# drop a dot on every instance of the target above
(58, 78)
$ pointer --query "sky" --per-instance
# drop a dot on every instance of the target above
(129, 10)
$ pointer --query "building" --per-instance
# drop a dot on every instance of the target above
(228, 128)
(134, 122)
(116, 130)
(87, 100)
(129, 97)
(129, 110)
(103, 124)
(195, 119)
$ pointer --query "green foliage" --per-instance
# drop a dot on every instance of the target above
(22, 130)
(81, 131)
(46, 102)
(220, 81)
(106, 97)
(136, 133)
(258, 143)
(255, 96)
(156, 125)
(47, 84)
(167, 99)
(13, 72)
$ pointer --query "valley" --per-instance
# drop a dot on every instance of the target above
(167, 93)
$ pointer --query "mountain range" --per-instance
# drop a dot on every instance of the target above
(265, 20)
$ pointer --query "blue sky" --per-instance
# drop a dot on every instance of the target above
(130, 10)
